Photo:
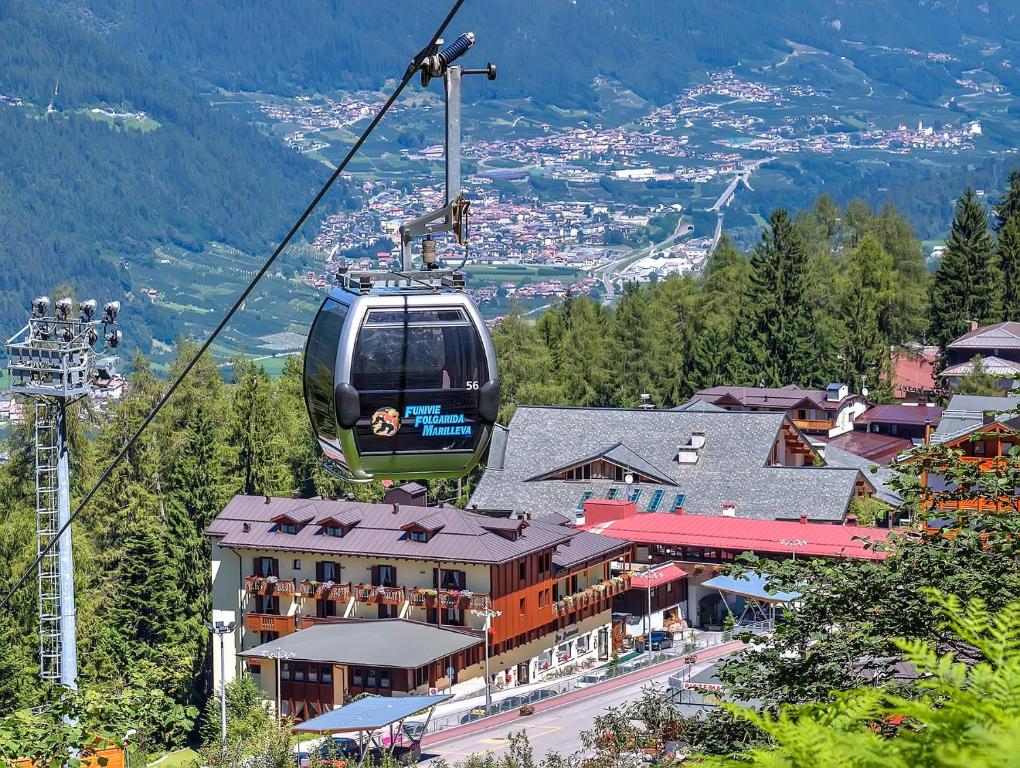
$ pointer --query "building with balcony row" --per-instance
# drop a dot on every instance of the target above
(826, 412)
(350, 597)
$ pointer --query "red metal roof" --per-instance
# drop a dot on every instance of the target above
(656, 577)
(741, 534)
(890, 413)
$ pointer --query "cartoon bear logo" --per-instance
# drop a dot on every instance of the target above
(386, 422)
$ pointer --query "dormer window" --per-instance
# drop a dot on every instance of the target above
(340, 524)
(424, 529)
(292, 522)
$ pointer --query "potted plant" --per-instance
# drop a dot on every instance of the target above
(527, 709)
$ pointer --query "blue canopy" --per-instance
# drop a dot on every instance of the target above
(369, 714)
(750, 585)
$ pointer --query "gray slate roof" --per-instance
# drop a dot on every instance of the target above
(732, 464)
(966, 412)
(371, 642)
(462, 537)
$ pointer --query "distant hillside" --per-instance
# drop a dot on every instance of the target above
(105, 157)
(548, 49)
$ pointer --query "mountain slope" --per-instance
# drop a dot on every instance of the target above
(105, 157)
(548, 49)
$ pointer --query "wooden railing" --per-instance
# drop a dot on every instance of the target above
(268, 585)
(604, 590)
(268, 622)
(423, 597)
(311, 621)
(369, 593)
(815, 425)
(324, 590)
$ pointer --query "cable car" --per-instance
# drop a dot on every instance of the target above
(401, 383)
(400, 372)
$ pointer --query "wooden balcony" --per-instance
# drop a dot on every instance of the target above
(268, 585)
(814, 425)
(268, 622)
(324, 590)
(599, 596)
(369, 593)
(448, 598)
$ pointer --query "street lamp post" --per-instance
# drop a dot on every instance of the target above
(488, 614)
(222, 628)
(279, 655)
(650, 576)
(793, 544)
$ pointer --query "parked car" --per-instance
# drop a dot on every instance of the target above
(336, 751)
(661, 640)
(592, 678)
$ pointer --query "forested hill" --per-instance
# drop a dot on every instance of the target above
(81, 189)
(549, 50)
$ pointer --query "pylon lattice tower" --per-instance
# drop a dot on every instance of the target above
(52, 361)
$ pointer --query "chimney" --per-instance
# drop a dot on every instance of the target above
(697, 441)
(295, 494)
(246, 528)
(973, 325)
(396, 509)
(803, 519)
(851, 521)
(267, 499)
(678, 511)
(729, 509)
(927, 431)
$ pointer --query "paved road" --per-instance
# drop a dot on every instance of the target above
(608, 271)
(550, 730)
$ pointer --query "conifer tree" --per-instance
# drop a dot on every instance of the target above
(254, 432)
(779, 349)
(865, 301)
(634, 370)
(1009, 264)
(1009, 206)
(967, 285)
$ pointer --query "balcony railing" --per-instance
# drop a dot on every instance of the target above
(268, 585)
(369, 593)
(268, 622)
(815, 425)
(324, 590)
(311, 621)
(604, 590)
(424, 597)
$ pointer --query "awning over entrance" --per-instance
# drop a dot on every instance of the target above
(370, 714)
(752, 586)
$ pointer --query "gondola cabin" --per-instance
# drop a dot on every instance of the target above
(400, 383)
